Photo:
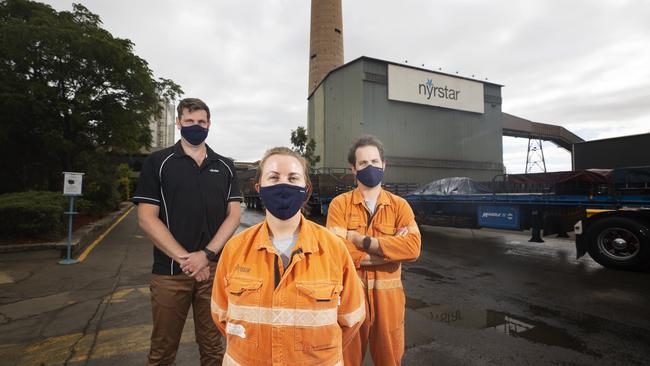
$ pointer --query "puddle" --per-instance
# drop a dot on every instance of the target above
(500, 323)
(430, 275)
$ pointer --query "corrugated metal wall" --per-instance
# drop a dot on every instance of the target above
(343, 113)
(619, 152)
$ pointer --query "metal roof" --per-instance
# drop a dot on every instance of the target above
(366, 58)
(520, 127)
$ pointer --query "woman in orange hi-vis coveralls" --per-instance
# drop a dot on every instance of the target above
(285, 290)
(380, 232)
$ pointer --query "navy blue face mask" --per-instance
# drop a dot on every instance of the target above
(283, 200)
(194, 134)
(370, 176)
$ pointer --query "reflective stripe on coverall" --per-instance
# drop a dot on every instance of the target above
(303, 315)
(384, 323)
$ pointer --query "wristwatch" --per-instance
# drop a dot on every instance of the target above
(366, 243)
(212, 256)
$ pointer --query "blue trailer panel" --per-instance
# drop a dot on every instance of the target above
(498, 217)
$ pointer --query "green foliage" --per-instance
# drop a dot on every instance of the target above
(101, 186)
(35, 215)
(123, 173)
(70, 93)
(304, 146)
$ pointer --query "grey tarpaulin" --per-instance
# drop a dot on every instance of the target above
(453, 185)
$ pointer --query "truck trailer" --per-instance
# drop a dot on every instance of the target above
(608, 209)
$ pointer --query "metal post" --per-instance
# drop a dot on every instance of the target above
(536, 226)
(70, 213)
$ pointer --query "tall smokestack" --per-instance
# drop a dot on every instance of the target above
(326, 40)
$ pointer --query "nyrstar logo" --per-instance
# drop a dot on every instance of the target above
(429, 90)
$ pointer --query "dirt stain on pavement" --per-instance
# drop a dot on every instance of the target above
(414, 304)
(430, 275)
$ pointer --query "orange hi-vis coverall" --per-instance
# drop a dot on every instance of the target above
(384, 323)
(302, 315)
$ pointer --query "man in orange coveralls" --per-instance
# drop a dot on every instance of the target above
(380, 232)
(285, 290)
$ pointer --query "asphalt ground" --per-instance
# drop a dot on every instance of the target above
(474, 297)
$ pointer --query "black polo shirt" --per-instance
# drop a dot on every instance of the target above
(192, 199)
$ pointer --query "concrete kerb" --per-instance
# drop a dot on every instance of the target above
(80, 238)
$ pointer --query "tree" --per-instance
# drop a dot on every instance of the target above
(304, 146)
(70, 93)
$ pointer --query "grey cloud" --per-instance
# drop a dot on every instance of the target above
(249, 60)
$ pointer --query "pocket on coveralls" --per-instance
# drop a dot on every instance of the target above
(385, 230)
(317, 325)
(355, 223)
(243, 319)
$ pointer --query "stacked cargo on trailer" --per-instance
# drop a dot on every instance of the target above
(328, 183)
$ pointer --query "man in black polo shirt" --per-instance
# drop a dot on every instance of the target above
(189, 206)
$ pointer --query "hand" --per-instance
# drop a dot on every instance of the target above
(355, 238)
(372, 260)
(193, 263)
(403, 231)
(203, 274)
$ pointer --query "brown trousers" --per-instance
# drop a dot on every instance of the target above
(171, 297)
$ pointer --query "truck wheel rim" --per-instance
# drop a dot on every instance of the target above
(618, 243)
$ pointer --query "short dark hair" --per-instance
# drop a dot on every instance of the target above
(365, 140)
(192, 104)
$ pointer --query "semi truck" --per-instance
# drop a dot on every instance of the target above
(608, 209)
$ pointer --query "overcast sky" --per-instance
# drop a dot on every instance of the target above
(581, 64)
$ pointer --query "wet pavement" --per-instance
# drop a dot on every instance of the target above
(491, 297)
(474, 297)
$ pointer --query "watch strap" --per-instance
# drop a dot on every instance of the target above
(210, 254)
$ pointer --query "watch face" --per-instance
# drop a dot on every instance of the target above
(366, 242)
(210, 254)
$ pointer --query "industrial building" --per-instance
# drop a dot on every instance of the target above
(163, 127)
(433, 125)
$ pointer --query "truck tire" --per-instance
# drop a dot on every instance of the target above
(619, 243)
